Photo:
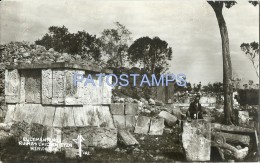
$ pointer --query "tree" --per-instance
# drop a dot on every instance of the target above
(252, 52)
(80, 43)
(227, 67)
(56, 38)
(152, 54)
(216, 87)
(115, 43)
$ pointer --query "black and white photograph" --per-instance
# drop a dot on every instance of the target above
(129, 81)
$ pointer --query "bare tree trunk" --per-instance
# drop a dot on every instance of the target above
(227, 67)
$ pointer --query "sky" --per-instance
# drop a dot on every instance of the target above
(189, 27)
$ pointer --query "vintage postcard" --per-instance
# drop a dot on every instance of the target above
(129, 81)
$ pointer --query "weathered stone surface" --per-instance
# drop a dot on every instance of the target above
(130, 121)
(127, 138)
(10, 113)
(142, 125)
(105, 117)
(243, 118)
(196, 140)
(89, 94)
(12, 84)
(58, 117)
(27, 113)
(238, 153)
(5, 137)
(69, 65)
(91, 115)
(22, 88)
(46, 86)
(151, 102)
(106, 91)
(230, 128)
(58, 86)
(55, 134)
(101, 137)
(176, 111)
(48, 115)
(36, 130)
(131, 108)
(20, 130)
(80, 116)
(5, 126)
(117, 108)
(169, 118)
(119, 121)
(68, 119)
(234, 138)
(71, 90)
(32, 86)
(157, 126)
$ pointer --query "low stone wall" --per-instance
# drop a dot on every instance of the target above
(60, 116)
(124, 115)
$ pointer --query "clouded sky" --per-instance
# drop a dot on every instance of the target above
(190, 28)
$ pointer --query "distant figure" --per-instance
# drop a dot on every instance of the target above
(195, 111)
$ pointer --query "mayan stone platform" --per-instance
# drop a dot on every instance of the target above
(45, 94)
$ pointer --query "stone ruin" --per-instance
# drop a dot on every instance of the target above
(43, 95)
(42, 102)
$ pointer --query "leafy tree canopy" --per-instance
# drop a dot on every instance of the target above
(152, 53)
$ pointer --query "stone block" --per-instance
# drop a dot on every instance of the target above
(127, 138)
(130, 121)
(90, 112)
(106, 91)
(79, 116)
(71, 97)
(58, 86)
(243, 118)
(196, 140)
(117, 108)
(48, 115)
(157, 126)
(68, 119)
(169, 118)
(55, 135)
(12, 84)
(46, 86)
(10, 113)
(90, 115)
(142, 125)
(22, 88)
(176, 111)
(26, 112)
(101, 137)
(32, 86)
(119, 121)
(131, 108)
(58, 117)
(36, 130)
(20, 130)
(105, 117)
